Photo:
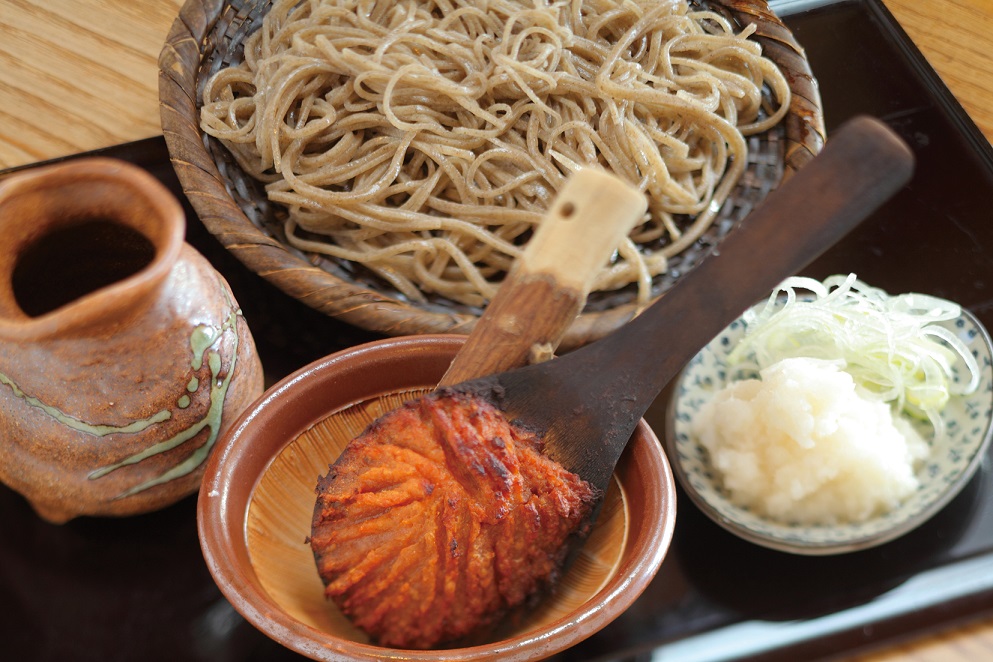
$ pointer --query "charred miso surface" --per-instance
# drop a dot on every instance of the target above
(440, 518)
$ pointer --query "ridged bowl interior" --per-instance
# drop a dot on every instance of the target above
(257, 500)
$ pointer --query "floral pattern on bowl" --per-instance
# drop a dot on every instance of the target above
(953, 460)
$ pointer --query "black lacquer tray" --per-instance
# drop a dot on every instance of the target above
(138, 589)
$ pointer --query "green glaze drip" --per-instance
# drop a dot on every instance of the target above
(202, 339)
(82, 426)
(204, 336)
(214, 361)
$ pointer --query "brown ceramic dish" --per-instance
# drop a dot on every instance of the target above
(257, 499)
(209, 34)
(123, 353)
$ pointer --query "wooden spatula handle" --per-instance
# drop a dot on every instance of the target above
(548, 284)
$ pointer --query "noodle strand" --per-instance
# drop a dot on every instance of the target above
(424, 139)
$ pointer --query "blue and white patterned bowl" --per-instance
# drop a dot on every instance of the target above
(952, 462)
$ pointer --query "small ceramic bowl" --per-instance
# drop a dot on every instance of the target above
(952, 462)
(257, 499)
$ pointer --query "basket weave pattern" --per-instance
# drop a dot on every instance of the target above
(208, 35)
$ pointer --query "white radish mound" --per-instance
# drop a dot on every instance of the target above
(802, 445)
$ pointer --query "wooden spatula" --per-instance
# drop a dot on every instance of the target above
(547, 286)
(588, 402)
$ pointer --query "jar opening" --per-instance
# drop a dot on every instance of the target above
(77, 259)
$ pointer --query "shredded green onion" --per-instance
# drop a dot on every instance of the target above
(892, 346)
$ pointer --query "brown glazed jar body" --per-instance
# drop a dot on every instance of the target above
(123, 353)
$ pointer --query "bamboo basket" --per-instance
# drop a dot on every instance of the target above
(209, 34)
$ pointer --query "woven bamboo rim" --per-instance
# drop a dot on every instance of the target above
(207, 34)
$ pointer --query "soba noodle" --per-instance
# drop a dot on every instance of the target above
(424, 139)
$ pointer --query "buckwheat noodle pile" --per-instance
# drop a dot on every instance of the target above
(424, 139)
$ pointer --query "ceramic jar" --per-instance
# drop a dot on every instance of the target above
(123, 353)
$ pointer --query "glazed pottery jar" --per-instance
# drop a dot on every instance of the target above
(123, 354)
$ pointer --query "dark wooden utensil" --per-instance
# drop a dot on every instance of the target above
(588, 402)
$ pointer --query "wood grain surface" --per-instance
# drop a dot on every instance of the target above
(77, 75)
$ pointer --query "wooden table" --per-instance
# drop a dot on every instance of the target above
(77, 75)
